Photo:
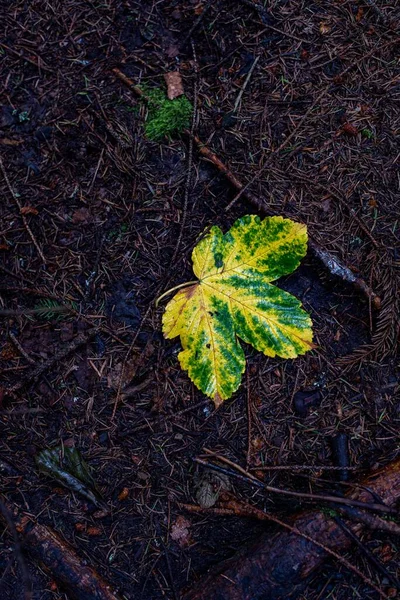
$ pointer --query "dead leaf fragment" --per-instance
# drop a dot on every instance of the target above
(324, 28)
(10, 142)
(350, 129)
(172, 51)
(180, 531)
(124, 493)
(121, 374)
(28, 210)
(173, 80)
(94, 531)
(210, 487)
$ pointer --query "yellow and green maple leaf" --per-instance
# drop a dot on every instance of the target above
(233, 298)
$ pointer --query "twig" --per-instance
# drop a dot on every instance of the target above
(246, 81)
(302, 468)
(242, 509)
(20, 348)
(249, 419)
(23, 217)
(34, 374)
(195, 24)
(338, 269)
(364, 550)
(5, 513)
(188, 180)
(69, 570)
(373, 522)
(243, 475)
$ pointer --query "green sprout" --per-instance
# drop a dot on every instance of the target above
(23, 116)
(367, 133)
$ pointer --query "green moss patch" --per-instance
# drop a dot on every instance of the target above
(165, 117)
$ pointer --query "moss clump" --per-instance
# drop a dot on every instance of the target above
(165, 117)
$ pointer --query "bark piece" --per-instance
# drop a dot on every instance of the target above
(278, 566)
(70, 571)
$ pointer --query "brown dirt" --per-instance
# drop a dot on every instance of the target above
(106, 211)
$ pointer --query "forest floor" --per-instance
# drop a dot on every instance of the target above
(96, 216)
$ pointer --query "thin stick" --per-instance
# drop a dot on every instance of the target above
(241, 509)
(246, 81)
(248, 478)
(17, 550)
(302, 468)
(196, 24)
(23, 217)
(35, 373)
(188, 180)
(20, 348)
(249, 419)
(364, 550)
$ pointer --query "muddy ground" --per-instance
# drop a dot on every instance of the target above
(93, 214)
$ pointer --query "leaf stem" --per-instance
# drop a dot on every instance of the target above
(177, 287)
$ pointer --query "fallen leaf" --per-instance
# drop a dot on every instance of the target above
(386, 553)
(28, 210)
(350, 129)
(173, 80)
(180, 531)
(210, 487)
(233, 298)
(66, 465)
(121, 374)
